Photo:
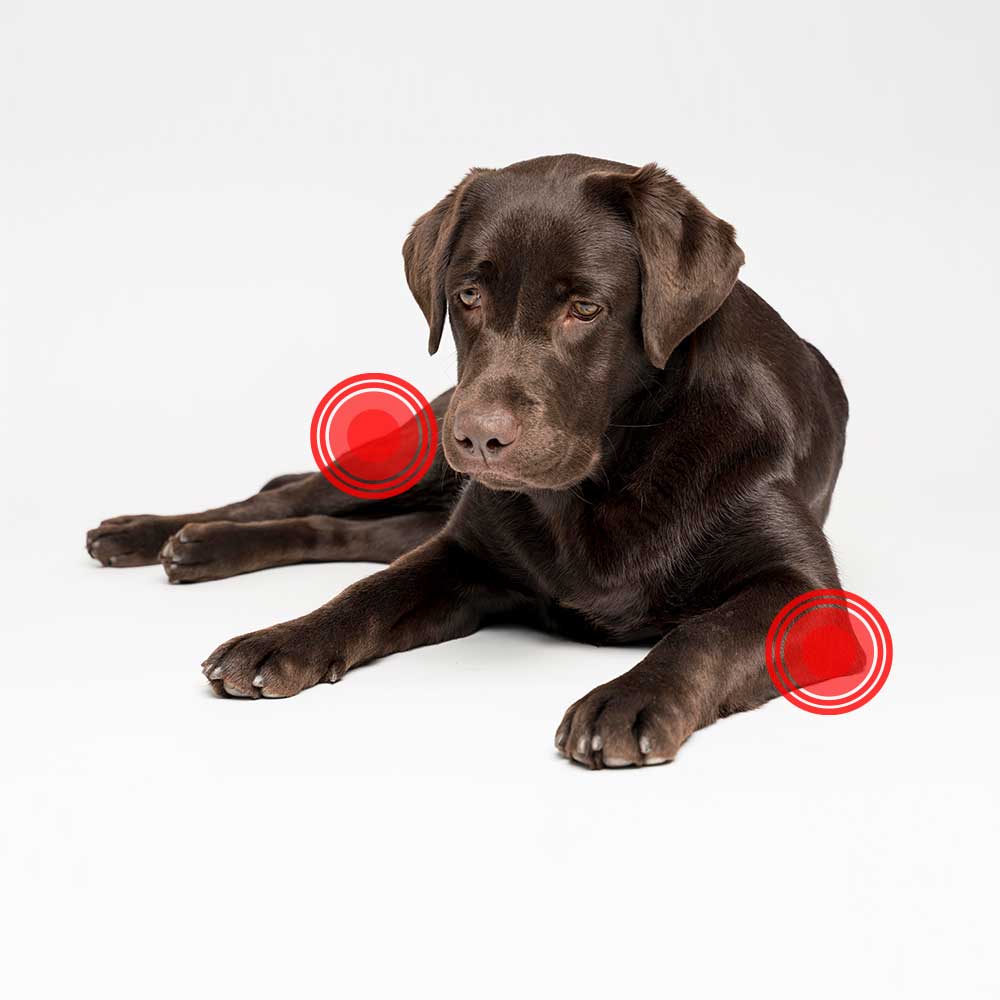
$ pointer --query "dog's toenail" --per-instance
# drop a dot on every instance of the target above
(616, 762)
(645, 744)
(258, 681)
(581, 745)
(215, 674)
(656, 760)
(596, 743)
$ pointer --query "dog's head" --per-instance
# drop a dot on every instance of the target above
(564, 278)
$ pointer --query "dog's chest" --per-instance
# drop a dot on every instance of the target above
(588, 563)
(622, 615)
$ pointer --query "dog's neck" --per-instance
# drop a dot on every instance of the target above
(632, 432)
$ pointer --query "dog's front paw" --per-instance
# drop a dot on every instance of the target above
(132, 540)
(275, 662)
(621, 724)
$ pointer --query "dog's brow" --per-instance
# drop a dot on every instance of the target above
(596, 286)
(473, 269)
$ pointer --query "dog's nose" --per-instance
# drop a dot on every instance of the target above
(485, 431)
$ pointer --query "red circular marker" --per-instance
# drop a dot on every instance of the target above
(373, 436)
(828, 652)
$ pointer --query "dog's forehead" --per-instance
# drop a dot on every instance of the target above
(547, 227)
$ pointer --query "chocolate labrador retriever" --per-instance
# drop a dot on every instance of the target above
(638, 450)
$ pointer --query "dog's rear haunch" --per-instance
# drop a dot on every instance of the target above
(638, 449)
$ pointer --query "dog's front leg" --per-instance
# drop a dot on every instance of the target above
(710, 666)
(437, 592)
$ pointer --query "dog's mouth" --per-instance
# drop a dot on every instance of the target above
(560, 475)
(497, 482)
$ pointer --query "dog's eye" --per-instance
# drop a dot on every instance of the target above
(585, 310)
(469, 297)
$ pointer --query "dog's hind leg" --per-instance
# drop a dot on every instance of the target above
(292, 477)
(217, 549)
(136, 540)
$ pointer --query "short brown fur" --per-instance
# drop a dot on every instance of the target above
(656, 473)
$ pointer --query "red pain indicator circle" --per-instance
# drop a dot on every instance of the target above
(373, 436)
(828, 651)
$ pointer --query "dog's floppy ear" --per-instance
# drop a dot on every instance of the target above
(426, 253)
(688, 256)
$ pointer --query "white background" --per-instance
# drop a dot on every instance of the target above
(203, 206)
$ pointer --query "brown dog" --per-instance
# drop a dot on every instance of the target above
(638, 449)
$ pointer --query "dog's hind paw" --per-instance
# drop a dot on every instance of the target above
(209, 551)
(131, 540)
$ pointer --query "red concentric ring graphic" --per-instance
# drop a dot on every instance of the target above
(828, 651)
(373, 436)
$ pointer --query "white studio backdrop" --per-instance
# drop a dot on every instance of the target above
(203, 207)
